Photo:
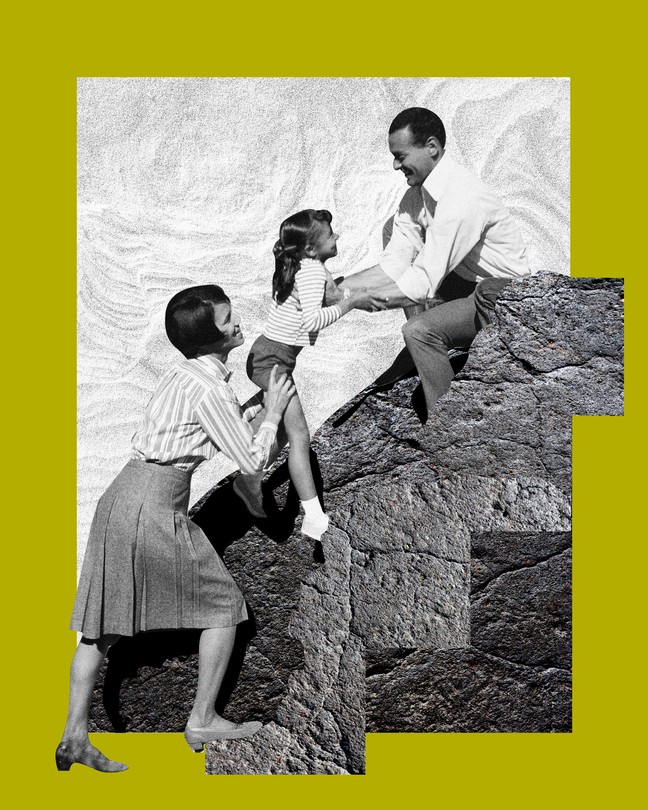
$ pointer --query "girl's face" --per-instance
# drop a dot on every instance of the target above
(324, 243)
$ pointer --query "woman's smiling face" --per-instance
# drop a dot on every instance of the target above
(228, 324)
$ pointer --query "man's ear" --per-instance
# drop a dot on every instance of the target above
(434, 146)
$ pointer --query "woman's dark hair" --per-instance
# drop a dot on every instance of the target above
(189, 318)
(423, 124)
(294, 236)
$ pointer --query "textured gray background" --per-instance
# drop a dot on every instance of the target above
(185, 181)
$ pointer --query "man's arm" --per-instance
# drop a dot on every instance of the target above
(375, 279)
(405, 242)
(455, 230)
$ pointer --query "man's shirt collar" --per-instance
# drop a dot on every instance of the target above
(437, 180)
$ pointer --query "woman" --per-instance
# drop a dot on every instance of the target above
(147, 566)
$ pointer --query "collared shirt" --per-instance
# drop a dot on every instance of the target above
(298, 320)
(194, 413)
(451, 222)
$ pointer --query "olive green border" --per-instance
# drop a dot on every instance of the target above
(48, 48)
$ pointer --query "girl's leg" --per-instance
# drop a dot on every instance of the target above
(299, 451)
(248, 487)
(75, 745)
(315, 521)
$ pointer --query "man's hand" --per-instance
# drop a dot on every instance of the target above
(366, 300)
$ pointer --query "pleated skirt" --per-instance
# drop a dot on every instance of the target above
(147, 566)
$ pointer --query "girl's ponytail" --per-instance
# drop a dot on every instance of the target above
(286, 267)
(290, 248)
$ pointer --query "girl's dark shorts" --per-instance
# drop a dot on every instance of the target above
(265, 354)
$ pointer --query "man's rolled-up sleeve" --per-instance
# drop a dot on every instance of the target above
(406, 243)
(221, 417)
(453, 233)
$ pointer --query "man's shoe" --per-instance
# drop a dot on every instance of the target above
(419, 405)
(252, 498)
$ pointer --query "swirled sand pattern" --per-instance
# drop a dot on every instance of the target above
(185, 181)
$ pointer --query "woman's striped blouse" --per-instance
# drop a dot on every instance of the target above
(194, 413)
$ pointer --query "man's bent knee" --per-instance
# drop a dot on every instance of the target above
(422, 329)
(487, 293)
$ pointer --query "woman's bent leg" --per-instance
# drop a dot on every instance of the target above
(204, 725)
(75, 745)
(214, 652)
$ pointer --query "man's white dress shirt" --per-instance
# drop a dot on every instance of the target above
(451, 222)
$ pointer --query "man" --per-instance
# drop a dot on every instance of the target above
(453, 247)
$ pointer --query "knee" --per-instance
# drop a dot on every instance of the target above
(421, 329)
(410, 329)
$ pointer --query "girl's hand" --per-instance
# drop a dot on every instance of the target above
(281, 390)
(366, 300)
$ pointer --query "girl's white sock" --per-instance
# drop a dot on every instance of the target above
(312, 508)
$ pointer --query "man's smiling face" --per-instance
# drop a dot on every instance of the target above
(415, 161)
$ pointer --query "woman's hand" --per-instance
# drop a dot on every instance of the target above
(281, 390)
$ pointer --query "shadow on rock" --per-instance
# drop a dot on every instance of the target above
(148, 682)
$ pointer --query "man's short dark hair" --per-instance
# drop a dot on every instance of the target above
(189, 318)
(423, 124)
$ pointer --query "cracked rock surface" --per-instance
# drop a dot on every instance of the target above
(447, 570)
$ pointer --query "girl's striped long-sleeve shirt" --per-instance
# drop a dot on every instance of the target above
(194, 413)
(298, 320)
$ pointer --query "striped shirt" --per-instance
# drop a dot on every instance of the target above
(194, 413)
(297, 321)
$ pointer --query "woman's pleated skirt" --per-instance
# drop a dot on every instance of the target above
(147, 566)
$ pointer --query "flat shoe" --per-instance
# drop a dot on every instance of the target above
(197, 737)
(68, 755)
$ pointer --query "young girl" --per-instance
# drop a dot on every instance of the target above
(306, 241)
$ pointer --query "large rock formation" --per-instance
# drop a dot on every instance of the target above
(447, 569)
